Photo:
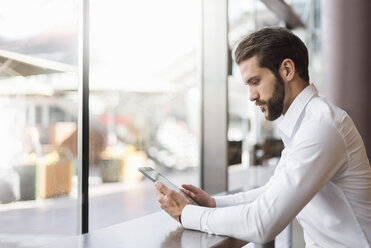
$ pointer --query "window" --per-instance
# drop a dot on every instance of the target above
(144, 103)
(38, 106)
(144, 111)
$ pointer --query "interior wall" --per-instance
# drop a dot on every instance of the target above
(346, 50)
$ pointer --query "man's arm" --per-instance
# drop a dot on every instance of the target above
(308, 167)
(239, 198)
(205, 200)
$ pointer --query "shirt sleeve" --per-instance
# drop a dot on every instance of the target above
(314, 159)
(238, 198)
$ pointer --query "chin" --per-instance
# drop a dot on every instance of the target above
(270, 118)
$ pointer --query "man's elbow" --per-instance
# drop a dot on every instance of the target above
(263, 236)
(263, 239)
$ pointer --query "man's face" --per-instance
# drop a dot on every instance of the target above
(266, 89)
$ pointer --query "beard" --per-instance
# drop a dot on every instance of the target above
(275, 102)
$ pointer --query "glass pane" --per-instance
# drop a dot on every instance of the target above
(247, 126)
(144, 103)
(38, 106)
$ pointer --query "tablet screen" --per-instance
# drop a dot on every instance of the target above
(155, 176)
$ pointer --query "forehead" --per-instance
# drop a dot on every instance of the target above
(250, 68)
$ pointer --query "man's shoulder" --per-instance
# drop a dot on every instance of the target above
(320, 110)
(322, 120)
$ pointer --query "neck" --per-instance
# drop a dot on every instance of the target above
(292, 90)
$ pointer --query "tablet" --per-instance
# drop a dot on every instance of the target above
(155, 176)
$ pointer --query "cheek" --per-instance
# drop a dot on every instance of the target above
(264, 92)
(267, 90)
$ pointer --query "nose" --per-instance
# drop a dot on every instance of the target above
(254, 95)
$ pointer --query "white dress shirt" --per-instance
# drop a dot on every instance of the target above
(323, 178)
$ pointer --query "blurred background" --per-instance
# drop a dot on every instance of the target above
(146, 103)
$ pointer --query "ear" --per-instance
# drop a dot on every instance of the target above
(287, 69)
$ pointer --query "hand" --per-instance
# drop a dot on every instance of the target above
(200, 196)
(170, 201)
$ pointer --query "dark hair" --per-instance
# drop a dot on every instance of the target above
(272, 46)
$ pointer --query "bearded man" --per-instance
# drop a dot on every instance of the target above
(323, 177)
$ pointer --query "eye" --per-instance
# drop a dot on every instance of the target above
(255, 82)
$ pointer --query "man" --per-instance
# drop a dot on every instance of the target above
(323, 177)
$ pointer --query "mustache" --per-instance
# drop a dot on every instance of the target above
(260, 102)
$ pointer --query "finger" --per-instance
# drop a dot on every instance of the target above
(158, 194)
(192, 188)
(161, 187)
(189, 193)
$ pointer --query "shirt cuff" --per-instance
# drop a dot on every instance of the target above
(191, 216)
(222, 201)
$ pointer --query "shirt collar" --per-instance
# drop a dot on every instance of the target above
(289, 120)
